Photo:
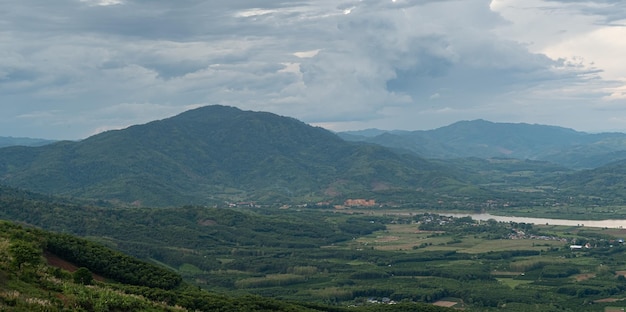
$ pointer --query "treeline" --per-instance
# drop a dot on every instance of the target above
(489, 229)
(198, 300)
(109, 263)
(187, 227)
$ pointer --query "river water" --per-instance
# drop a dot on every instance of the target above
(592, 223)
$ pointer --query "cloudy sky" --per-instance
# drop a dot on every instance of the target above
(73, 68)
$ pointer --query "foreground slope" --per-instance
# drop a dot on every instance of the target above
(215, 153)
(47, 271)
(302, 255)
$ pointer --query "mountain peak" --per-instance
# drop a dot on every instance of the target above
(212, 154)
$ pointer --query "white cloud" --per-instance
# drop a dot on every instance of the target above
(103, 2)
(586, 35)
(254, 12)
(307, 54)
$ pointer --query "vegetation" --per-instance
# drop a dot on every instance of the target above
(320, 259)
(206, 157)
(486, 140)
(257, 218)
(211, 155)
(108, 263)
(29, 283)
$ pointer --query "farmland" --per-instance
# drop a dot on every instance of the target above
(450, 261)
(360, 257)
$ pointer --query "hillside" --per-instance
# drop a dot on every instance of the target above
(484, 139)
(50, 271)
(605, 185)
(304, 259)
(216, 154)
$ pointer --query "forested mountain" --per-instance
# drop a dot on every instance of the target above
(216, 153)
(11, 141)
(606, 184)
(484, 139)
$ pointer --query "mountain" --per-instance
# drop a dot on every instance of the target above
(11, 141)
(212, 154)
(484, 139)
(604, 185)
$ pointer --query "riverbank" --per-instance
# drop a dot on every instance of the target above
(610, 223)
(614, 223)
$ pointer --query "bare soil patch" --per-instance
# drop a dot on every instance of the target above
(447, 304)
(207, 222)
(55, 261)
(605, 300)
(584, 277)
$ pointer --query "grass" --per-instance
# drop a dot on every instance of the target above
(511, 244)
(330, 293)
(189, 269)
(270, 280)
(225, 260)
(513, 282)
(406, 236)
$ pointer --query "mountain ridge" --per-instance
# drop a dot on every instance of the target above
(486, 139)
(23, 141)
(211, 154)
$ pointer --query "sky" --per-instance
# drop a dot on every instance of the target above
(70, 69)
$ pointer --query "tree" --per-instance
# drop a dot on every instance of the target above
(24, 253)
(83, 276)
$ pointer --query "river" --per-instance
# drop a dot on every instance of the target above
(592, 223)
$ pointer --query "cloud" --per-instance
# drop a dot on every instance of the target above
(83, 66)
(102, 2)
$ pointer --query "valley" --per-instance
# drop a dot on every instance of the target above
(302, 220)
(359, 256)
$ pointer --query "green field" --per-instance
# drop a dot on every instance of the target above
(407, 237)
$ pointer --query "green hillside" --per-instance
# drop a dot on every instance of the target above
(605, 186)
(215, 154)
(46, 271)
(298, 259)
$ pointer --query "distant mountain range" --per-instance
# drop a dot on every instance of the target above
(218, 154)
(11, 141)
(484, 139)
(213, 154)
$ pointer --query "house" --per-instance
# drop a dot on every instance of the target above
(579, 247)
